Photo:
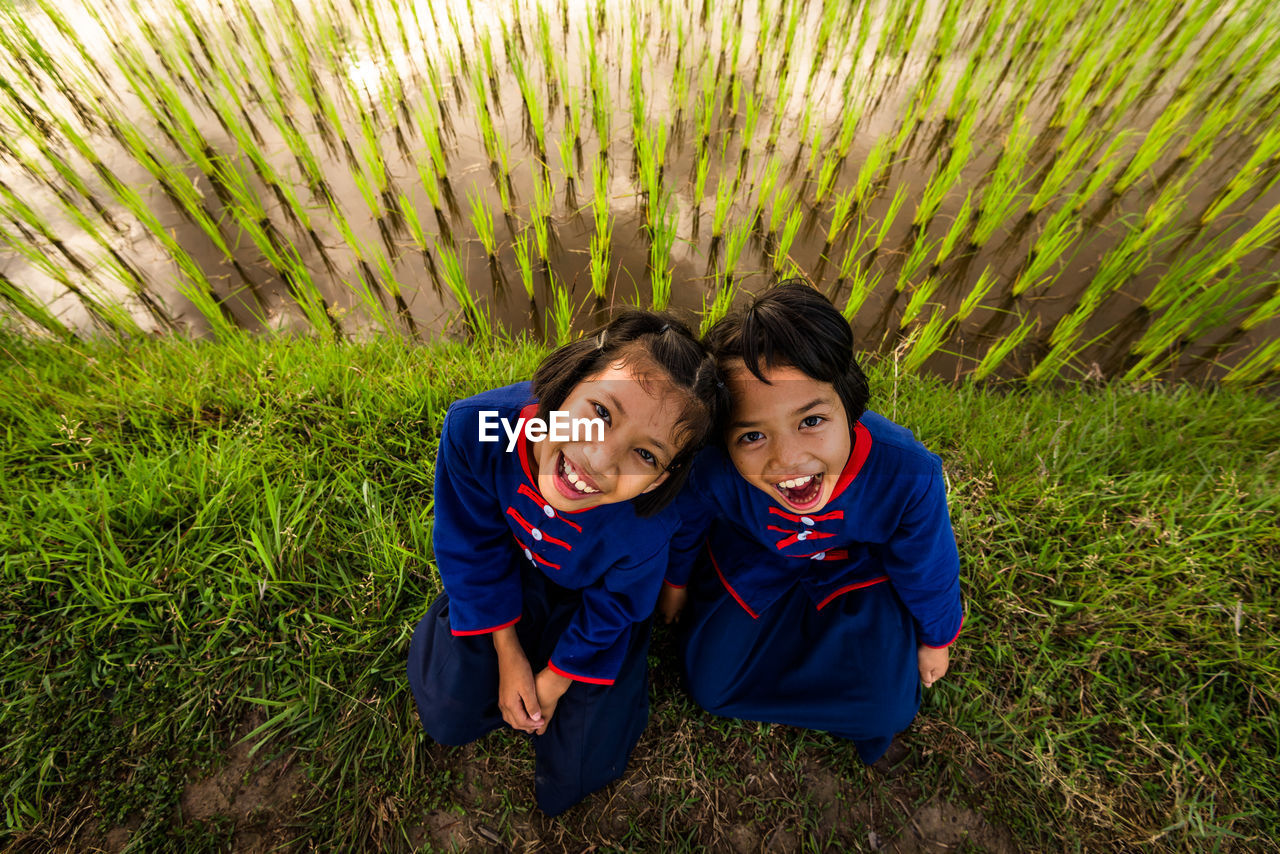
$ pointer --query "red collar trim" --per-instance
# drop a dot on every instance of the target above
(522, 447)
(858, 456)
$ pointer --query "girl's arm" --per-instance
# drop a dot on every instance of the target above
(924, 567)
(517, 691)
(472, 542)
(696, 514)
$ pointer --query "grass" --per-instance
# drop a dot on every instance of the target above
(208, 539)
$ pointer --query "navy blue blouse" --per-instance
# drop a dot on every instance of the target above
(886, 521)
(490, 515)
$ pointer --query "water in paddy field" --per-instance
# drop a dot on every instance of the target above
(986, 189)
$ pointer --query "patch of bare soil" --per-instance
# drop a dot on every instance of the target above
(257, 797)
(942, 826)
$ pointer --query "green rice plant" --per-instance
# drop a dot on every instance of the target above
(1004, 184)
(573, 112)
(926, 340)
(734, 244)
(725, 190)
(959, 228)
(105, 312)
(1250, 176)
(1167, 125)
(32, 310)
(524, 260)
(886, 222)
(482, 221)
(1201, 295)
(789, 229)
(601, 101)
(540, 212)
(864, 284)
(941, 182)
(475, 317)
(780, 207)
(1050, 247)
(1001, 348)
(920, 296)
(865, 185)
(1257, 366)
(561, 314)
(664, 238)
(705, 108)
(599, 249)
(600, 206)
(915, 260)
(719, 307)
(976, 295)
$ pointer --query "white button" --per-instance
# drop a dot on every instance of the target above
(803, 535)
(528, 554)
(546, 508)
(806, 520)
(537, 535)
(818, 556)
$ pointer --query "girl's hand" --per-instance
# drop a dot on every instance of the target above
(551, 687)
(517, 693)
(933, 664)
(671, 602)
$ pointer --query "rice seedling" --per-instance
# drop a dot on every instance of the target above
(524, 261)
(886, 222)
(32, 310)
(482, 221)
(1262, 363)
(864, 282)
(782, 251)
(474, 316)
(663, 240)
(561, 314)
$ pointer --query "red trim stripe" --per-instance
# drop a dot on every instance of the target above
(953, 640)
(675, 586)
(849, 587)
(787, 542)
(861, 450)
(522, 445)
(594, 680)
(461, 634)
(537, 557)
(543, 504)
(796, 517)
(732, 592)
(833, 554)
(546, 538)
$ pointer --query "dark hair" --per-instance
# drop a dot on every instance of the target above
(647, 341)
(794, 325)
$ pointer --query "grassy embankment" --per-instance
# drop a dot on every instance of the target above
(207, 539)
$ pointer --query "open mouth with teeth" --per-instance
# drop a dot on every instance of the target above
(571, 482)
(800, 492)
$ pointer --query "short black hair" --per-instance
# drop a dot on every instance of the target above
(648, 341)
(794, 325)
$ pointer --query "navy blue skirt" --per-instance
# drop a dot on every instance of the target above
(595, 727)
(850, 669)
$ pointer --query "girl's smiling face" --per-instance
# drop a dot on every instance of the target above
(789, 438)
(640, 441)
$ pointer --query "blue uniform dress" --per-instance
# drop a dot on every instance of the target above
(578, 587)
(813, 620)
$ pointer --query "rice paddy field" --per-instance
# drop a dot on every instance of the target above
(1039, 189)
(250, 251)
